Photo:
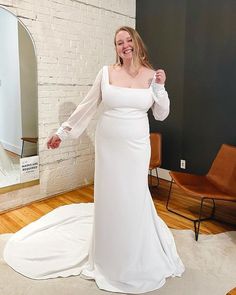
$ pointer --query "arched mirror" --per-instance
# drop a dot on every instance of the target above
(18, 105)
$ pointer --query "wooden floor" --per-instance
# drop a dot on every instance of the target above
(14, 220)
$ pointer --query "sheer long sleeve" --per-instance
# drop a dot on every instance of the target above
(80, 118)
(161, 105)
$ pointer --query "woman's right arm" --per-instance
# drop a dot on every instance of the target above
(80, 118)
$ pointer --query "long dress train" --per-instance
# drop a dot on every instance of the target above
(120, 242)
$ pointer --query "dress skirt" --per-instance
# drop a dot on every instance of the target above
(134, 249)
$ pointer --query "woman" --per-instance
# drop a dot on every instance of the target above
(131, 248)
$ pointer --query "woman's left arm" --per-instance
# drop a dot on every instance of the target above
(161, 105)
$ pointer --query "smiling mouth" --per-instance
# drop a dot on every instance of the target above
(127, 51)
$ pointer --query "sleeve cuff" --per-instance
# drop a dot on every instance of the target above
(62, 133)
(158, 90)
(158, 87)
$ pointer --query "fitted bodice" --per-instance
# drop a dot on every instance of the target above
(118, 102)
(124, 102)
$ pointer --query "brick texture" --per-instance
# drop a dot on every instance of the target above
(73, 40)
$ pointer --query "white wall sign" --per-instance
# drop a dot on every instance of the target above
(29, 168)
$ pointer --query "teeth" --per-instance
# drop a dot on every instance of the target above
(127, 51)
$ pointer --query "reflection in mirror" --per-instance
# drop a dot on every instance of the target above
(18, 98)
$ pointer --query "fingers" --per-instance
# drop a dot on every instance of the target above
(53, 142)
(160, 71)
(160, 76)
(48, 143)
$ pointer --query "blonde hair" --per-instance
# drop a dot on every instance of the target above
(140, 56)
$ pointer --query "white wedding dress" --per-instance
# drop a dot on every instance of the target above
(119, 241)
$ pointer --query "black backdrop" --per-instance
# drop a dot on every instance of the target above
(195, 42)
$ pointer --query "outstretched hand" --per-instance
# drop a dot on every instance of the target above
(160, 76)
(54, 142)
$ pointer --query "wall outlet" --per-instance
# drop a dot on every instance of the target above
(182, 164)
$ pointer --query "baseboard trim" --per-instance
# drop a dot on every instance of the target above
(11, 147)
(162, 173)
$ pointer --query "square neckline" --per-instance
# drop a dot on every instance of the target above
(123, 87)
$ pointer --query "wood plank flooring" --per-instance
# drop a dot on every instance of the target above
(14, 220)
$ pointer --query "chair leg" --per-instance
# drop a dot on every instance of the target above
(158, 180)
(22, 149)
(213, 209)
(171, 210)
(150, 173)
(196, 222)
(168, 199)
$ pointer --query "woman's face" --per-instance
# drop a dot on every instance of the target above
(124, 45)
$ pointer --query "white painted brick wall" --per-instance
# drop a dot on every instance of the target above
(73, 40)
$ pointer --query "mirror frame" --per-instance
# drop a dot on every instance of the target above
(21, 185)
